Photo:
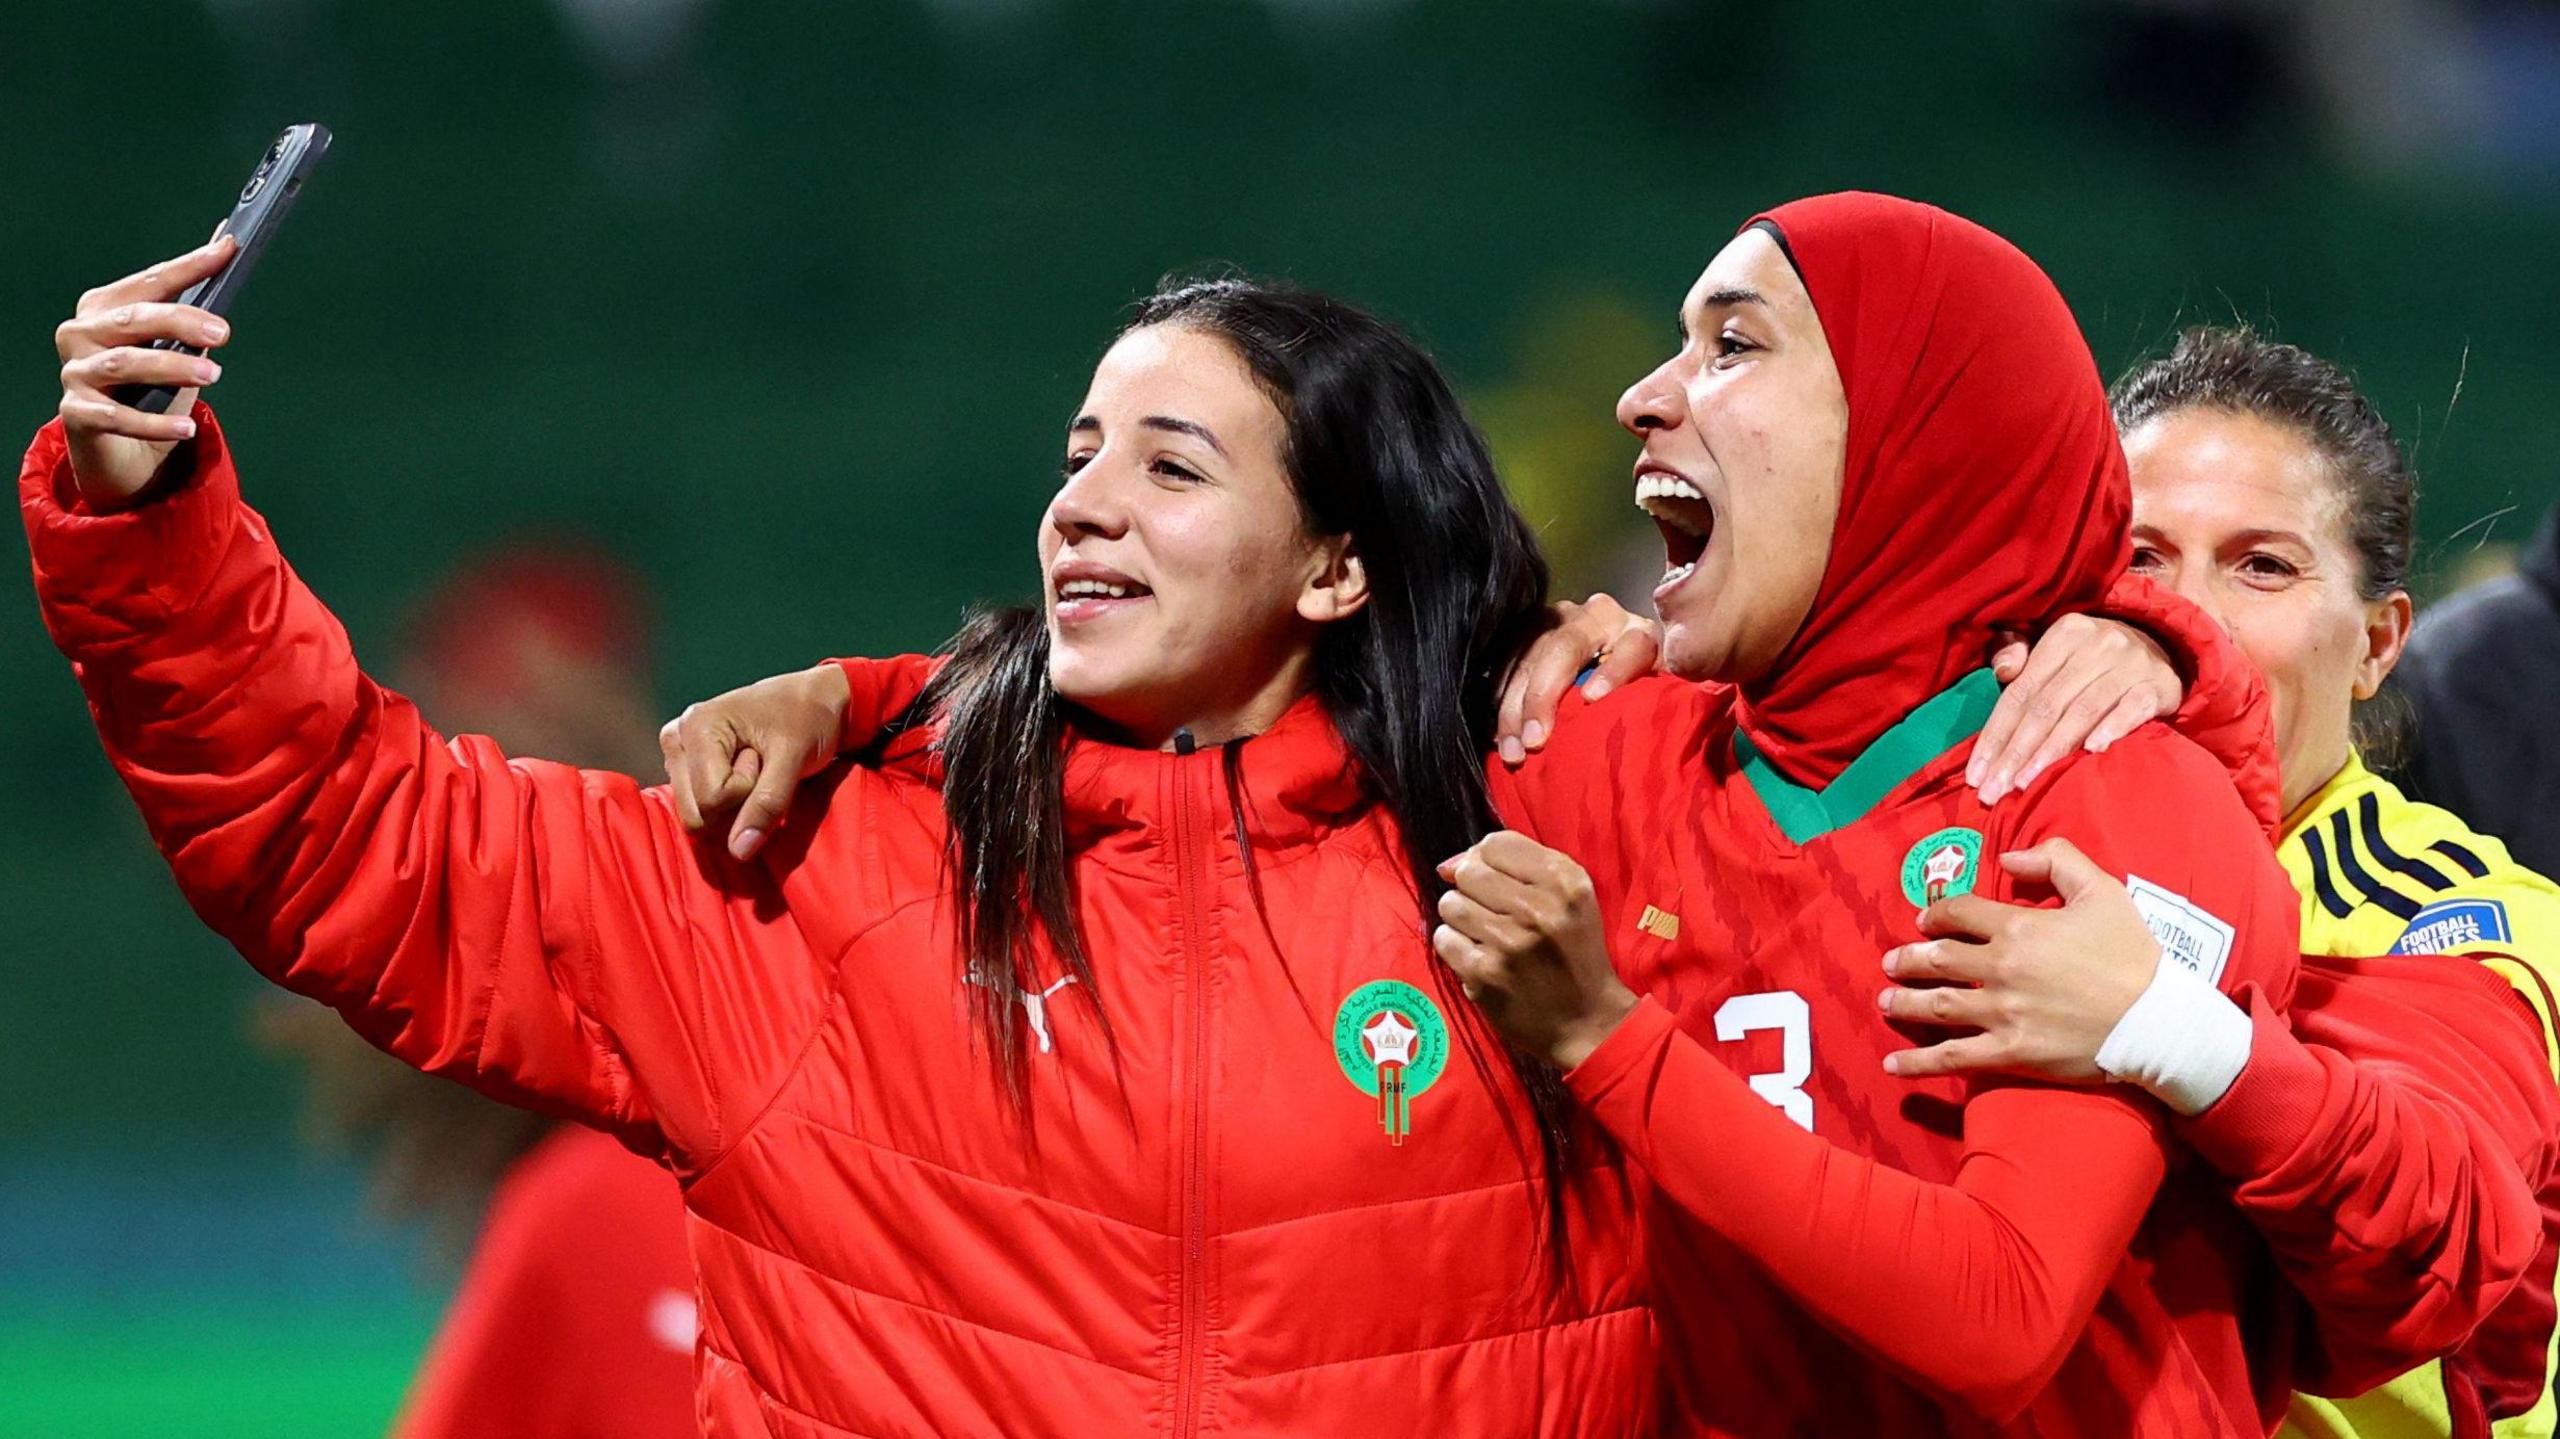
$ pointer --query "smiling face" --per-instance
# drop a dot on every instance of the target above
(1183, 589)
(2243, 516)
(1745, 435)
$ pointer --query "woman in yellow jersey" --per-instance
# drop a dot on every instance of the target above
(2270, 492)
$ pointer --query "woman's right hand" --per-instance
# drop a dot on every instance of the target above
(751, 748)
(116, 449)
(2044, 986)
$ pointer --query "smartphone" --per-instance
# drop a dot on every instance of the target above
(263, 204)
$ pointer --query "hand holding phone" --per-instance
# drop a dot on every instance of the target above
(135, 348)
(253, 221)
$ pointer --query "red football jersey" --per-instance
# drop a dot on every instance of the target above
(575, 1319)
(1840, 1251)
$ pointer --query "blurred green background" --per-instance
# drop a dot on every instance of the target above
(785, 303)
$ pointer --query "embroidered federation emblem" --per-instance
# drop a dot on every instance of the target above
(1392, 1043)
(1941, 865)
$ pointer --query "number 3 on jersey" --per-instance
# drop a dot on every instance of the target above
(1785, 1011)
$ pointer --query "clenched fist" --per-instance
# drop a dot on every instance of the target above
(1521, 930)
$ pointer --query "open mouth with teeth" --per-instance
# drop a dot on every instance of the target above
(1687, 520)
(1084, 599)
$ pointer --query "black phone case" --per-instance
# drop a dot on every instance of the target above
(263, 204)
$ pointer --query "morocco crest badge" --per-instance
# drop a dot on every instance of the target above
(1393, 1043)
(1943, 864)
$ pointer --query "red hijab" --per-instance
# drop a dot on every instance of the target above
(1984, 484)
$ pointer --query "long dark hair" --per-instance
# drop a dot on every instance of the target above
(1378, 449)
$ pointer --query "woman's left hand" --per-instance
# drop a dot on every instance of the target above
(2087, 683)
(1520, 927)
(1598, 635)
(2044, 986)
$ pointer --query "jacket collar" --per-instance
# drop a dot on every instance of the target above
(1293, 783)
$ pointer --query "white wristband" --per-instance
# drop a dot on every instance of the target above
(2183, 1040)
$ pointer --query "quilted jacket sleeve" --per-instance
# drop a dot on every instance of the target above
(545, 934)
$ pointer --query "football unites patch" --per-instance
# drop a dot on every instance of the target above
(1392, 1043)
(2188, 933)
(2451, 925)
(1945, 863)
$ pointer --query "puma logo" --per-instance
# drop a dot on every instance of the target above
(1035, 1007)
(1660, 923)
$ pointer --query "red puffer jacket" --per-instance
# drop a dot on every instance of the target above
(1210, 1230)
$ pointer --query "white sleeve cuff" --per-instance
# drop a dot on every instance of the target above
(2184, 1041)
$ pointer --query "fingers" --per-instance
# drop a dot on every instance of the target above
(1996, 745)
(164, 280)
(1635, 653)
(2086, 684)
(1971, 1054)
(90, 413)
(108, 346)
(1946, 960)
(1948, 1006)
(1476, 877)
(138, 323)
(1511, 706)
(2059, 863)
(102, 371)
(1474, 966)
(2034, 865)
(2131, 713)
(1510, 716)
(746, 767)
(773, 782)
(1970, 916)
(2058, 670)
(2008, 658)
(703, 758)
(1523, 858)
(1536, 687)
(2078, 720)
(680, 782)
(1494, 931)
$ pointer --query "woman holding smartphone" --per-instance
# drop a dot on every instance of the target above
(1084, 1073)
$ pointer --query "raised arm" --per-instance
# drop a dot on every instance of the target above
(544, 934)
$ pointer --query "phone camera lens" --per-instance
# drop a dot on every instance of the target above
(266, 167)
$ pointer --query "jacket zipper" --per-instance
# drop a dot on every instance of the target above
(1192, 863)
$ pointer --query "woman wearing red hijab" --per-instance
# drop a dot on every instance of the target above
(1883, 440)
(1767, 543)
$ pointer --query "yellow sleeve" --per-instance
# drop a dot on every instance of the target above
(2511, 917)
